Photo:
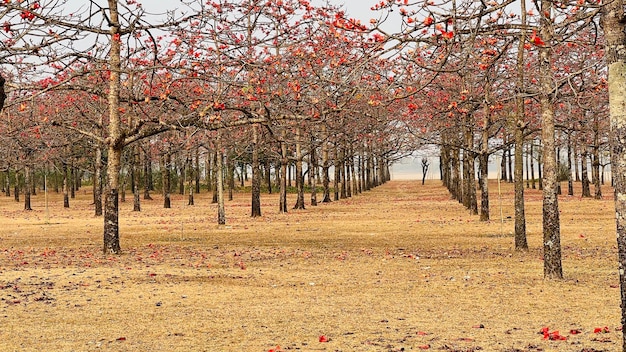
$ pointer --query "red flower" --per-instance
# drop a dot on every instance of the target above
(324, 338)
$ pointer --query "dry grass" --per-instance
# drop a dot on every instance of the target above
(401, 267)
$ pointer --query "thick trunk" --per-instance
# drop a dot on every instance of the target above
(552, 267)
(521, 242)
(111, 202)
(115, 138)
(615, 39)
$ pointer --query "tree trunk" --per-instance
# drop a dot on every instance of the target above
(337, 172)
(299, 175)
(136, 175)
(570, 182)
(147, 175)
(484, 184)
(595, 160)
(165, 179)
(256, 174)
(552, 267)
(532, 165)
(27, 187)
(221, 211)
(114, 139)
(282, 205)
(190, 180)
(325, 172)
(615, 42)
(196, 169)
(312, 174)
(97, 182)
(586, 192)
(66, 185)
(268, 175)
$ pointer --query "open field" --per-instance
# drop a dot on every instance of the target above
(398, 268)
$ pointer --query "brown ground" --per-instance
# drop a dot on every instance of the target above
(399, 268)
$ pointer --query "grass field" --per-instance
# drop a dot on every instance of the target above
(401, 267)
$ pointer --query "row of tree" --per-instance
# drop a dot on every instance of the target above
(287, 81)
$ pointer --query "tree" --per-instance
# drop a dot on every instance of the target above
(614, 28)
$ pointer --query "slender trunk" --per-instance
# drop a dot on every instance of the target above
(312, 174)
(268, 175)
(97, 183)
(337, 172)
(299, 175)
(282, 206)
(540, 169)
(147, 175)
(532, 165)
(221, 211)
(196, 169)
(190, 180)
(214, 174)
(527, 169)
(165, 179)
(136, 176)
(586, 192)
(66, 185)
(595, 160)
(27, 187)
(256, 174)
(484, 185)
(325, 173)
(570, 182)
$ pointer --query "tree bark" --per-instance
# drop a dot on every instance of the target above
(97, 182)
(299, 175)
(27, 187)
(613, 21)
(552, 267)
(586, 192)
(256, 174)
(136, 177)
(282, 204)
(221, 210)
(165, 180)
(115, 138)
